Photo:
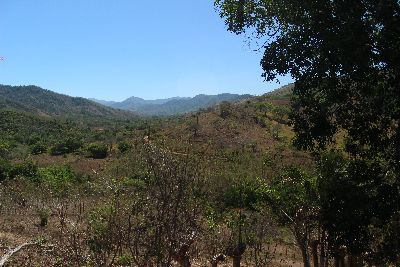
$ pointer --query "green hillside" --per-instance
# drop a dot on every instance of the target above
(43, 102)
(172, 106)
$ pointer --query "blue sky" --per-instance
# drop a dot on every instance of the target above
(114, 49)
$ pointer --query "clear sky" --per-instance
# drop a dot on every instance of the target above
(114, 49)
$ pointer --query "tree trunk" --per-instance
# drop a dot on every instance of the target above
(341, 261)
(236, 261)
(186, 262)
(337, 261)
(322, 256)
(354, 261)
(315, 253)
(304, 254)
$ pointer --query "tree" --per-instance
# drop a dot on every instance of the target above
(295, 202)
(344, 57)
(166, 215)
(357, 211)
(225, 109)
(97, 151)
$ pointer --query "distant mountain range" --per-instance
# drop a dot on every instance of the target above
(171, 106)
(38, 101)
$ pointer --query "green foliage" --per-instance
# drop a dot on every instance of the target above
(97, 151)
(4, 149)
(60, 179)
(100, 220)
(25, 169)
(291, 192)
(276, 131)
(344, 57)
(170, 107)
(66, 146)
(124, 146)
(280, 112)
(225, 109)
(43, 214)
(38, 149)
(125, 260)
(5, 167)
(33, 99)
(243, 195)
(137, 182)
(349, 217)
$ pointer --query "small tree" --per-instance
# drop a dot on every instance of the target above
(165, 219)
(38, 148)
(124, 146)
(295, 202)
(97, 151)
(66, 146)
(225, 109)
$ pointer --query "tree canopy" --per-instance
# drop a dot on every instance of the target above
(344, 56)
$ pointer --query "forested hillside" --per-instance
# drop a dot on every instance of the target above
(33, 99)
(172, 106)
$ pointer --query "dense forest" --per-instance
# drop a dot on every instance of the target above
(306, 175)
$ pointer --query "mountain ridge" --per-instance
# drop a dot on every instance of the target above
(172, 105)
(36, 100)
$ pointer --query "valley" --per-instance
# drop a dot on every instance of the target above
(58, 172)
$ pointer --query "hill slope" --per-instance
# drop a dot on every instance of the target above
(172, 106)
(43, 102)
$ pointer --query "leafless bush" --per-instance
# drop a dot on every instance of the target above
(166, 221)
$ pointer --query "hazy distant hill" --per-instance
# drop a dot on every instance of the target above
(172, 106)
(43, 102)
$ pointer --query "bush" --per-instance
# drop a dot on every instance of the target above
(124, 260)
(101, 232)
(97, 151)
(276, 132)
(67, 146)
(225, 109)
(58, 178)
(37, 149)
(124, 146)
(43, 214)
(24, 169)
(5, 167)
(4, 149)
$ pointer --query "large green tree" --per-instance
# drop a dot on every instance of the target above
(344, 56)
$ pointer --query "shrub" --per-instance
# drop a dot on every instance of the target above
(67, 146)
(124, 146)
(4, 149)
(97, 151)
(44, 214)
(101, 230)
(125, 260)
(276, 132)
(225, 109)
(37, 149)
(5, 167)
(58, 178)
(25, 169)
